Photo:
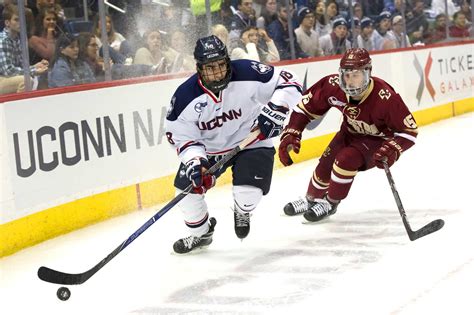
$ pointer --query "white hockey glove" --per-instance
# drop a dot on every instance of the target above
(271, 120)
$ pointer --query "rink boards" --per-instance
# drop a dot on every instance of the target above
(86, 154)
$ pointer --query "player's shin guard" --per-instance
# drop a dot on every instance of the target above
(246, 199)
(341, 182)
(194, 209)
(318, 186)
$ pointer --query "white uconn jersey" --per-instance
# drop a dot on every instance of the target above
(200, 123)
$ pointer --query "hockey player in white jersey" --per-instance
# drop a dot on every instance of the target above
(209, 115)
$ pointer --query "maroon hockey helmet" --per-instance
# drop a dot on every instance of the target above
(355, 59)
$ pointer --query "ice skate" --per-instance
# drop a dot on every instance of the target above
(320, 209)
(241, 224)
(296, 207)
(187, 244)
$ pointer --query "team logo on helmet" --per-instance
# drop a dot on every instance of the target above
(260, 67)
(208, 46)
(199, 106)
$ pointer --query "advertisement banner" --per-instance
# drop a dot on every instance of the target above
(59, 148)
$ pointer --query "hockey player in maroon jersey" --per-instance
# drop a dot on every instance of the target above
(377, 126)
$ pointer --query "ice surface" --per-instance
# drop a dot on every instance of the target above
(360, 261)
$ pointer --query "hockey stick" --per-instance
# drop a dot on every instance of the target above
(54, 276)
(413, 235)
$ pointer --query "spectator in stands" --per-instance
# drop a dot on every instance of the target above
(89, 52)
(466, 9)
(278, 31)
(178, 54)
(256, 45)
(437, 32)
(30, 19)
(221, 32)
(306, 36)
(459, 29)
(416, 22)
(358, 10)
(242, 18)
(170, 19)
(268, 14)
(366, 38)
(322, 25)
(336, 42)
(398, 38)
(354, 31)
(53, 5)
(332, 10)
(68, 69)
(116, 41)
(399, 7)
(226, 14)
(381, 33)
(42, 44)
(11, 61)
(153, 53)
(439, 7)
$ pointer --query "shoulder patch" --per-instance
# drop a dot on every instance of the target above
(260, 67)
(334, 80)
(248, 70)
(384, 94)
(184, 95)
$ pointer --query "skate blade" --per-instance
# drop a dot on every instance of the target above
(306, 222)
(197, 250)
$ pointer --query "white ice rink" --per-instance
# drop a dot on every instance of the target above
(360, 261)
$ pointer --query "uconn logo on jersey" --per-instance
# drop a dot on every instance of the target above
(218, 121)
(199, 106)
(260, 67)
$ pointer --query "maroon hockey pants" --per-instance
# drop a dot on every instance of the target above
(345, 155)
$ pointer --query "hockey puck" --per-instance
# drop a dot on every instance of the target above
(63, 293)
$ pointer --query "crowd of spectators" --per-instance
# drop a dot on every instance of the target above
(156, 37)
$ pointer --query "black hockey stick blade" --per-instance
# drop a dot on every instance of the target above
(427, 229)
(54, 276)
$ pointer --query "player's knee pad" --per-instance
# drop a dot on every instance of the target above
(194, 210)
(246, 197)
(349, 159)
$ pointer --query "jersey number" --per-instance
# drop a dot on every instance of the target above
(169, 136)
(286, 75)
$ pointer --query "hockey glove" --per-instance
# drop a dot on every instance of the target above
(196, 172)
(271, 119)
(290, 140)
(390, 151)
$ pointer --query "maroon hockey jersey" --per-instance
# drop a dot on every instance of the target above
(380, 113)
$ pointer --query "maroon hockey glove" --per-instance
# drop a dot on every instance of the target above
(290, 140)
(196, 172)
(390, 151)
